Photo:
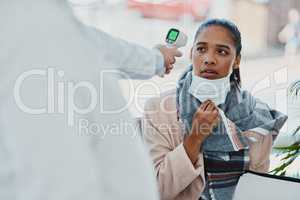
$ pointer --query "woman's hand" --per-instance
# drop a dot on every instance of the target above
(204, 120)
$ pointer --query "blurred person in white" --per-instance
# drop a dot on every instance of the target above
(55, 142)
(290, 34)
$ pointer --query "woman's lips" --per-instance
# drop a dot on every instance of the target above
(209, 74)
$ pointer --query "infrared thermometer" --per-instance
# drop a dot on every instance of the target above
(175, 38)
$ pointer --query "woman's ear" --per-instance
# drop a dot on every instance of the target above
(237, 62)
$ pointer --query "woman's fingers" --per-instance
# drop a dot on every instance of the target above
(204, 105)
(210, 107)
(214, 113)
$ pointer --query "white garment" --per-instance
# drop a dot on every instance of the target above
(42, 157)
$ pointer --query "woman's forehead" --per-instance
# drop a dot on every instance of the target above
(216, 35)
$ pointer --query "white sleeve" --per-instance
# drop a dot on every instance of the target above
(132, 59)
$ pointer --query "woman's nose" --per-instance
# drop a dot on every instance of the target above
(208, 62)
(209, 59)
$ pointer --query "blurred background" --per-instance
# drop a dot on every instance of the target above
(268, 67)
(270, 36)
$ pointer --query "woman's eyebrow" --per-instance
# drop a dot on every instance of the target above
(218, 45)
(223, 46)
(201, 43)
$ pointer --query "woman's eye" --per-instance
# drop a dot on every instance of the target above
(201, 49)
(222, 52)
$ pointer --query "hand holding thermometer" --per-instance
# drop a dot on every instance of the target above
(175, 38)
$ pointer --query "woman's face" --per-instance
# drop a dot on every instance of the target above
(214, 54)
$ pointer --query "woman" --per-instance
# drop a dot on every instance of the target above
(205, 136)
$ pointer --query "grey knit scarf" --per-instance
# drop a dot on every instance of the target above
(240, 107)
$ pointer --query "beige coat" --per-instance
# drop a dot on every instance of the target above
(177, 177)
